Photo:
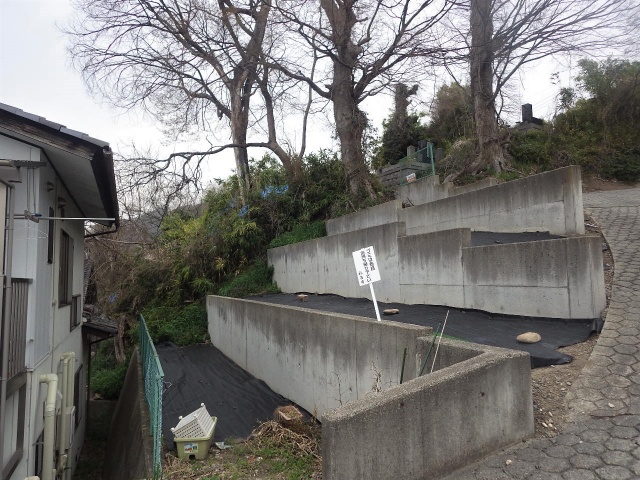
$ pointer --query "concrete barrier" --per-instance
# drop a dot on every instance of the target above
(550, 201)
(318, 360)
(558, 278)
(479, 400)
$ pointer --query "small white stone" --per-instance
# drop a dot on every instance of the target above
(508, 462)
(529, 337)
(611, 405)
(391, 311)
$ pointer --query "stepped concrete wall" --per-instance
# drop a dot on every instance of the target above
(558, 278)
(477, 402)
(562, 278)
(427, 189)
(550, 201)
(325, 265)
(478, 398)
(370, 217)
(318, 360)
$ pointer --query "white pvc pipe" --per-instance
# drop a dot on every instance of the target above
(48, 471)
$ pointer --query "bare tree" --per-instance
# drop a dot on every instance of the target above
(362, 47)
(504, 35)
(187, 62)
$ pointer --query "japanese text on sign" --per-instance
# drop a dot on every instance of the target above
(366, 266)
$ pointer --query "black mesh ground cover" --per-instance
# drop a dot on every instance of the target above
(496, 238)
(203, 374)
(471, 325)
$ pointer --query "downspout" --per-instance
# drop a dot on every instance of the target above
(69, 368)
(48, 471)
(62, 433)
(5, 318)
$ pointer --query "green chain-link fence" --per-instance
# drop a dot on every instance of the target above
(153, 385)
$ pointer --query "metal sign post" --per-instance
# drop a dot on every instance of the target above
(367, 271)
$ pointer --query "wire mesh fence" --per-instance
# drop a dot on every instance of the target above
(153, 385)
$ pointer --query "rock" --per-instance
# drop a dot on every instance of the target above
(302, 297)
(529, 337)
(391, 311)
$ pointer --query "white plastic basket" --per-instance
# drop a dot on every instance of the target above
(196, 424)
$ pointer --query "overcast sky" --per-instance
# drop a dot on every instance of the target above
(36, 76)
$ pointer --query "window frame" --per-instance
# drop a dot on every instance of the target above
(65, 270)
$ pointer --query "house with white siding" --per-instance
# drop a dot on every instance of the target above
(53, 180)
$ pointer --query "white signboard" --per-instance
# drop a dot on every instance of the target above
(411, 177)
(366, 266)
(367, 270)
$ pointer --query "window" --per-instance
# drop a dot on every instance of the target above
(65, 275)
(76, 314)
(38, 456)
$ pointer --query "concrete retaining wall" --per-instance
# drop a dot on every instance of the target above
(477, 402)
(421, 191)
(128, 452)
(550, 201)
(559, 278)
(478, 399)
(325, 265)
(318, 360)
(472, 187)
(371, 217)
(430, 268)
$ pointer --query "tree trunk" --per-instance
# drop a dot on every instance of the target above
(239, 119)
(481, 77)
(350, 120)
(350, 125)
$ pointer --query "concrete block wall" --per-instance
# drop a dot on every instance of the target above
(318, 360)
(129, 452)
(550, 201)
(478, 400)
